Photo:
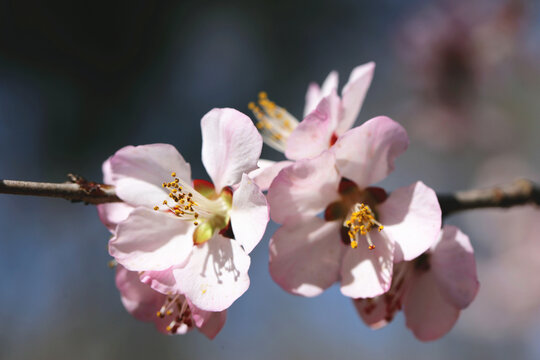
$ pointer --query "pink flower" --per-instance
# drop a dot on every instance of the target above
(203, 231)
(431, 289)
(326, 117)
(364, 231)
(171, 314)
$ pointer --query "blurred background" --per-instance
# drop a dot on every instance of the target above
(79, 81)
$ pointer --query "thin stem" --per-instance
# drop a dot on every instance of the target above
(77, 190)
(520, 192)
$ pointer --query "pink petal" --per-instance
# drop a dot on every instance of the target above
(312, 136)
(267, 171)
(366, 153)
(427, 312)
(249, 214)
(379, 311)
(138, 298)
(368, 273)
(161, 281)
(107, 172)
(330, 84)
(454, 267)
(305, 258)
(304, 188)
(215, 275)
(315, 94)
(312, 98)
(373, 311)
(231, 146)
(151, 240)
(353, 95)
(111, 214)
(209, 323)
(139, 171)
(412, 219)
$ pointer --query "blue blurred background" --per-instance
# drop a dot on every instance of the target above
(79, 81)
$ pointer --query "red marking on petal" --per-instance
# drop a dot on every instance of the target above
(346, 186)
(333, 139)
(335, 210)
(205, 188)
(379, 194)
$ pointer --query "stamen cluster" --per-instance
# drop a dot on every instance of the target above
(273, 122)
(362, 220)
(184, 201)
(183, 316)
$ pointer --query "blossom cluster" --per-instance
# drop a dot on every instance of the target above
(182, 246)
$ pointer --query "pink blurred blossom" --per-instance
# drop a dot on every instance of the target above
(509, 303)
(458, 55)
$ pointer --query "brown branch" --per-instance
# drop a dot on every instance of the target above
(77, 190)
(520, 192)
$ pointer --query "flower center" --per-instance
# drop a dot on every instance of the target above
(177, 308)
(274, 122)
(360, 222)
(206, 209)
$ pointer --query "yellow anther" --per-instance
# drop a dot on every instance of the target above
(164, 202)
(195, 223)
(287, 124)
(361, 222)
(173, 174)
(263, 95)
(252, 106)
(156, 208)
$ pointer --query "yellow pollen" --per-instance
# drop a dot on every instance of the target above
(362, 221)
(183, 205)
(273, 122)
